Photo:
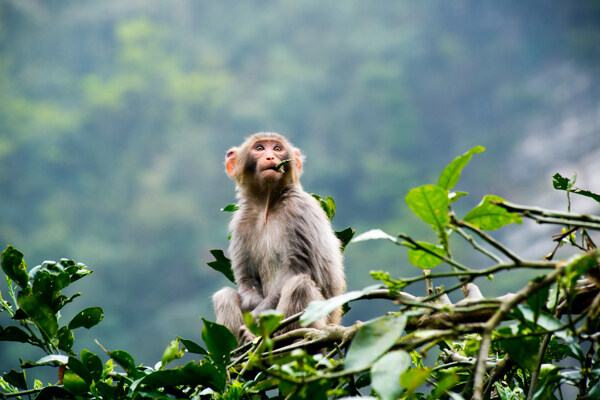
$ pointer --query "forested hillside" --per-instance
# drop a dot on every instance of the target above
(115, 118)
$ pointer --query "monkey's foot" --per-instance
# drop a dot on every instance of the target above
(245, 335)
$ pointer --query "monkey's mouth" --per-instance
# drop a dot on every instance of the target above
(274, 168)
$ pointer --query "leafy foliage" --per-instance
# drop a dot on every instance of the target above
(222, 264)
(488, 348)
(561, 183)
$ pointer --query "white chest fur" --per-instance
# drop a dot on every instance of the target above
(267, 251)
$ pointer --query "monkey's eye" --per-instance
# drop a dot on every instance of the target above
(277, 148)
(259, 147)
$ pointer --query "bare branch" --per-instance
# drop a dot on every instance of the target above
(504, 250)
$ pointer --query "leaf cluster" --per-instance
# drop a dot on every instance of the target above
(507, 347)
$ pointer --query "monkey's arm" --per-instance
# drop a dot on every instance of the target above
(315, 250)
(249, 288)
(268, 303)
(250, 297)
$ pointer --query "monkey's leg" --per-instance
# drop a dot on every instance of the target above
(227, 309)
(296, 293)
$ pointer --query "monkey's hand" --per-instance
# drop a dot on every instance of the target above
(245, 335)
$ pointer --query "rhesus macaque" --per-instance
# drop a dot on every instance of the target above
(283, 251)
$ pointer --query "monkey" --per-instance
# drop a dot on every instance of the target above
(284, 253)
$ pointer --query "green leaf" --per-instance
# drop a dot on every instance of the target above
(171, 353)
(345, 237)
(14, 334)
(40, 313)
(87, 318)
(47, 285)
(53, 393)
(93, 364)
(374, 234)
(489, 216)
(279, 166)
(190, 375)
(62, 281)
(66, 339)
(430, 203)
(444, 384)
(575, 349)
(15, 378)
(222, 264)
(537, 301)
(63, 300)
(328, 205)
(587, 193)
(550, 379)
(561, 183)
(42, 286)
(251, 323)
(106, 391)
(453, 196)
(192, 347)
(542, 319)
(394, 285)
(422, 259)
(522, 349)
(81, 370)
(125, 361)
(219, 341)
(321, 308)
(363, 380)
(14, 266)
(346, 308)
(372, 340)
(385, 374)
(414, 377)
(268, 322)
(77, 271)
(230, 208)
(51, 360)
(75, 384)
(451, 173)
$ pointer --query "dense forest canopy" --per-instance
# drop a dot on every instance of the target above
(115, 116)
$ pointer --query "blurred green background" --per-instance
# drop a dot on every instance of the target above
(115, 117)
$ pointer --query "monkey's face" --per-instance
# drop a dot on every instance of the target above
(266, 155)
(254, 165)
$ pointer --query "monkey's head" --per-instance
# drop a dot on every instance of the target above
(257, 164)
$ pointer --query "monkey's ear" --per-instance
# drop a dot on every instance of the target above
(298, 157)
(230, 161)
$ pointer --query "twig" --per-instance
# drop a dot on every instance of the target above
(543, 346)
(559, 221)
(497, 373)
(428, 282)
(529, 211)
(558, 238)
(488, 239)
(23, 393)
(476, 245)
(255, 346)
(536, 373)
(489, 271)
(289, 320)
(414, 243)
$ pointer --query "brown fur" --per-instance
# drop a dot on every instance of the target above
(284, 253)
